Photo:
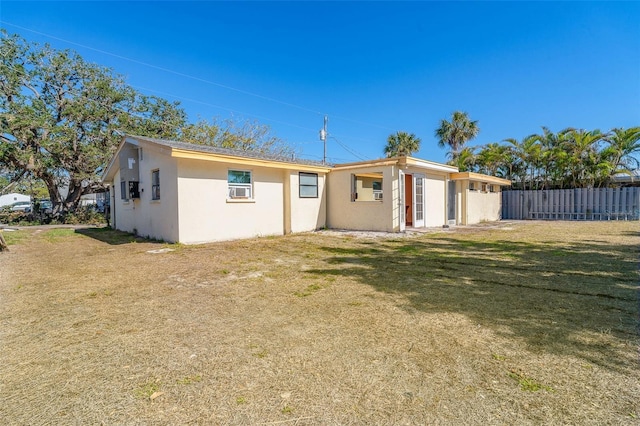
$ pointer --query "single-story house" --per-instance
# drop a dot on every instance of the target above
(14, 197)
(181, 192)
(394, 194)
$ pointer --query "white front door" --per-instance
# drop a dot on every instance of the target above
(401, 208)
(418, 200)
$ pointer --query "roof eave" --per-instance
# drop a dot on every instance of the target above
(480, 177)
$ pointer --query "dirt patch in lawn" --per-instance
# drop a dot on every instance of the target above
(534, 322)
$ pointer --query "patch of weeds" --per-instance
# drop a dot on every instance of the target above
(311, 288)
(262, 354)
(145, 390)
(108, 292)
(108, 235)
(14, 237)
(527, 383)
(498, 357)
(225, 271)
(188, 380)
(175, 246)
(241, 400)
(54, 235)
(93, 294)
(287, 410)
(408, 249)
(355, 303)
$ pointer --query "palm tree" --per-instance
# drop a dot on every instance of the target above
(582, 146)
(401, 143)
(526, 154)
(456, 133)
(554, 157)
(624, 144)
(466, 159)
(494, 159)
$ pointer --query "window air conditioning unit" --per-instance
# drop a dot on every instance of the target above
(377, 196)
(239, 192)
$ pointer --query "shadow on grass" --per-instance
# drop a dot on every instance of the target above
(112, 236)
(567, 300)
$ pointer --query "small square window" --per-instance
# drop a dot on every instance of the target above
(308, 185)
(367, 186)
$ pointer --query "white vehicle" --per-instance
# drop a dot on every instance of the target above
(21, 206)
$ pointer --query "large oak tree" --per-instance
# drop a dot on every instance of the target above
(61, 118)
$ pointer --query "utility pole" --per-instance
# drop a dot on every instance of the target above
(323, 138)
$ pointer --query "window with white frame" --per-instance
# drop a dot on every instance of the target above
(308, 185)
(377, 190)
(366, 186)
(155, 184)
(240, 184)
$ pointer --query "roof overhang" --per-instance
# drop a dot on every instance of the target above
(402, 162)
(366, 164)
(194, 154)
(245, 161)
(424, 164)
(480, 178)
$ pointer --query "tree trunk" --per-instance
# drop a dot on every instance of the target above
(3, 243)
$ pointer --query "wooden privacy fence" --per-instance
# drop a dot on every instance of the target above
(573, 204)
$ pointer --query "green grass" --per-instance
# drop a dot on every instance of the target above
(14, 237)
(189, 380)
(262, 354)
(145, 390)
(527, 383)
(110, 236)
(55, 235)
(309, 290)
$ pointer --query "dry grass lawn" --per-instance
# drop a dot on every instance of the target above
(522, 323)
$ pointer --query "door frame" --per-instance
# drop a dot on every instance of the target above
(419, 223)
(401, 208)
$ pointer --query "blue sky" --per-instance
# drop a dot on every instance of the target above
(373, 67)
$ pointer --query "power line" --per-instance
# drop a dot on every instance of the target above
(349, 150)
(181, 74)
(344, 146)
(222, 107)
(178, 73)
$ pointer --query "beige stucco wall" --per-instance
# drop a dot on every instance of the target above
(342, 213)
(483, 207)
(476, 206)
(194, 206)
(144, 216)
(305, 214)
(205, 213)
